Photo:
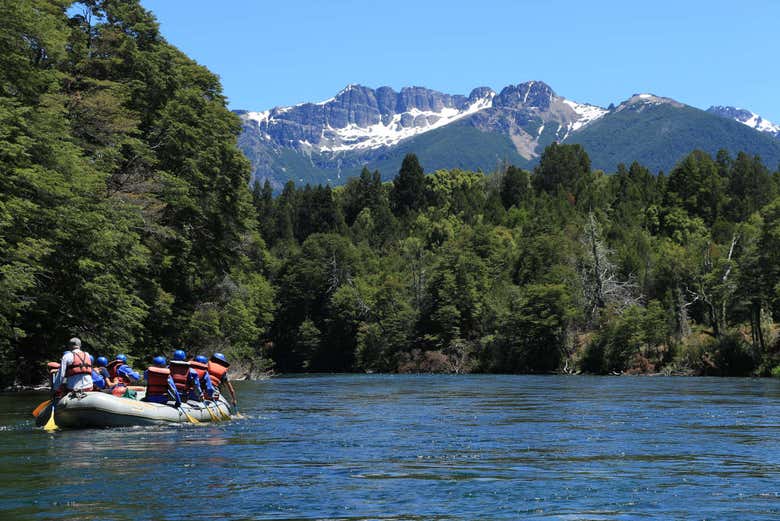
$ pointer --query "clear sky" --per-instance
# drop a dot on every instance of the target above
(275, 53)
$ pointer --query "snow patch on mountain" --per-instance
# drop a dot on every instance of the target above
(587, 113)
(354, 137)
(748, 118)
(757, 122)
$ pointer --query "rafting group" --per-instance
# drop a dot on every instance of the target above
(89, 392)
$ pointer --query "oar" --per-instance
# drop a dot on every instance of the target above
(224, 415)
(214, 417)
(188, 415)
(237, 414)
(40, 408)
(51, 425)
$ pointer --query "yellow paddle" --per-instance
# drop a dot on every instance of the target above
(237, 414)
(40, 408)
(224, 415)
(214, 417)
(51, 425)
(191, 418)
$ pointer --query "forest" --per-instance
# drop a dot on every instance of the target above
(127, 218)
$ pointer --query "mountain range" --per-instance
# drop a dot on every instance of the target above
(332, 140)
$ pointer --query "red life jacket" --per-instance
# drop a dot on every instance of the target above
(113, 366)
(180, 372)
(200, 368)
(157, 381)
(80, 365)
(216, 371)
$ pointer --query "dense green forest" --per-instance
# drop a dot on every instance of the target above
(126, 218)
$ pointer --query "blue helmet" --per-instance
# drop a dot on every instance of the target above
(102, 361)
(91, 360)
(220, 357)
(159, 361)
(202, 359)
(179, 355)
(122, 358)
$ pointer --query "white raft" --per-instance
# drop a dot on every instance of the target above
(98, 409)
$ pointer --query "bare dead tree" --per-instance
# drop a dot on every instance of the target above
(601, 282)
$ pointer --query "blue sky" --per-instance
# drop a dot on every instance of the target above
(281, 53)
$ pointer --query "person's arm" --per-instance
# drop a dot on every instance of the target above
(173, 392)
(59, 378)
(209, 385)
(231, 390)
(127, 371)
(193, 375)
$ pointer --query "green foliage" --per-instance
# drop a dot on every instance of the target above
(125, 216)
(562, 168)
(408, 193)
(634, 339)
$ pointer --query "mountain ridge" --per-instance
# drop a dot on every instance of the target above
(331, 140)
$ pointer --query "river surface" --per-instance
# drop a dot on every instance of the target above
(418, 447)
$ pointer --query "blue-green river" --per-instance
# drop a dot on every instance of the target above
(418, 447)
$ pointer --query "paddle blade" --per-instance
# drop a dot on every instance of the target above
(40, 408)
(51, 425)
(214, 417)
(191, 418)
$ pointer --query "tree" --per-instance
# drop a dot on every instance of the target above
(408, 192)
(515, 186)
(562, 167)
(696, 186)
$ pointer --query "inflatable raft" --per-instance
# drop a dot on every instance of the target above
(97, 409)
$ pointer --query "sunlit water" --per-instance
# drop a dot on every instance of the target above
(418, 447)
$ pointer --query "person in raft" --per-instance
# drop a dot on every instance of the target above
(75, 372)
(120, 375)
(218, 372)
(201, 366)
(159, 384)
(102, 371)
(98, 382)
(185, 378)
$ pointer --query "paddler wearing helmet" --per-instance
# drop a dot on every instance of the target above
(185, 377)
(159, 384)
(201, 366)
(218, 372)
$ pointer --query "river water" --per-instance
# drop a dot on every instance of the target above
(418, 447)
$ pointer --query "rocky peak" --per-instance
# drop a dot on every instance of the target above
(531, 94)
(639, 102)
(746, 117)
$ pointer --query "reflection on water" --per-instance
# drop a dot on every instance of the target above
(418, 447)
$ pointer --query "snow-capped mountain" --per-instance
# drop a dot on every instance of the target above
(329, 141)
(360, 118)
(746, 117)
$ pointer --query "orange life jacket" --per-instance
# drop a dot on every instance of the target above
(200, 368)
(80, 365)
(216, 371)
(180, 372)
(113, 366)
(157, 381)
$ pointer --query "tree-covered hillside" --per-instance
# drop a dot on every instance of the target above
(658, 136)
(125, 216)
(559, 269)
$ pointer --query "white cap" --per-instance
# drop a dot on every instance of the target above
(75, 342)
